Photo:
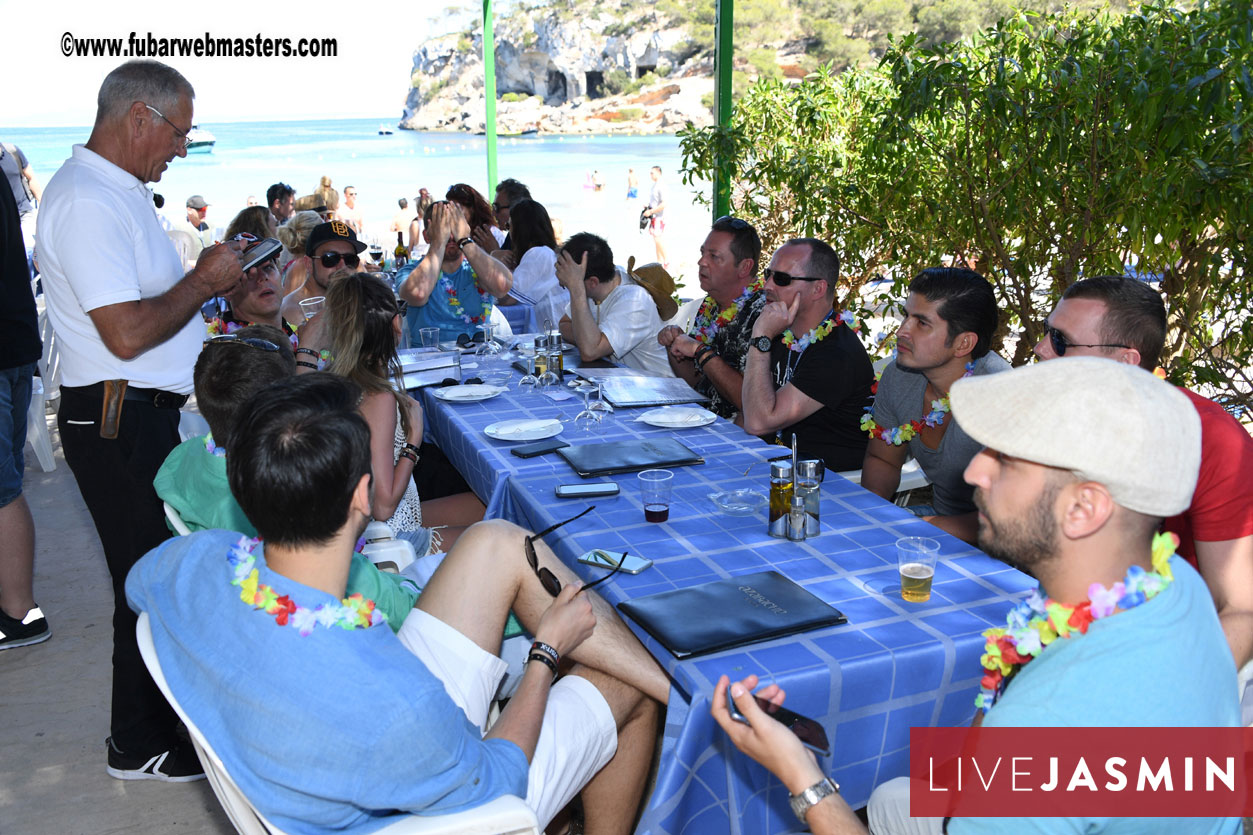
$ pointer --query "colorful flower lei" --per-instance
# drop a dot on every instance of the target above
(354, 613)
(212, 448)
(219, 326)
(458, 308)
(819, 333)
(905, 433)
(1038, 621)
(707, 324)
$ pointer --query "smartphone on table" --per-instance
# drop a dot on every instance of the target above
(810, 733)
(633, 564)
(587, 490)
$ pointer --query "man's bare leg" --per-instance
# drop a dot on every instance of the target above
(487, 574)
(17, 558)
(612, 799)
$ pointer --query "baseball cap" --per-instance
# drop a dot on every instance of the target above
(335, 230)
(1103, 420)
(196, 202)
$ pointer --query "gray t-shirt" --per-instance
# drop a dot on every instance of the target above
(899, 400)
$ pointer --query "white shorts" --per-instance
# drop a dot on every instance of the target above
(578, 735)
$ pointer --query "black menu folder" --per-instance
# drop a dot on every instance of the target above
(627, 456)
(729, 613)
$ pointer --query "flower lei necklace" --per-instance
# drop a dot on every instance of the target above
(458, 309)
(706, 324)
(218, 326)
(212, 448)
(819, 333)
(1038, 621)
(354, 612)
(904, 433)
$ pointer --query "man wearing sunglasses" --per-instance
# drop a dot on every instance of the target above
(334, 251)
(128, 320)
(711, 357)
(395, 722)
(807, 373)
(950, 315)
(1125, 319)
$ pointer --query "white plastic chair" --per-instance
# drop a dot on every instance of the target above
(685, 315)
(37, 427)
(176, 520)
(912, 478)
(506, 814)
(384, 550)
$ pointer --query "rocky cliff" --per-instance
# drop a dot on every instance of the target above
(561, 74)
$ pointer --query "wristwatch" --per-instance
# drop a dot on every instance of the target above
(762, 343)
(466, 240)
(801, 803)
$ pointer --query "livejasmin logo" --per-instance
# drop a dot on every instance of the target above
(1064, 772)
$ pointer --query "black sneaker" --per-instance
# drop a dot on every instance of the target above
(32, 629)
(177, 765)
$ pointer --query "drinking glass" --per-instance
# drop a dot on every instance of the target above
(915, 558)
(587, 420)
(655, 487)
(490, 347)
(430, 338)
(600, 406)
(529, 382)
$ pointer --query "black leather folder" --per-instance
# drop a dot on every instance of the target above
(729, 613)
(615, 457)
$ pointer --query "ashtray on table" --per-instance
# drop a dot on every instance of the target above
(738, 502)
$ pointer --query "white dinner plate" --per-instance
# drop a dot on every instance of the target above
(677, 417)
(526, 429)
(467, 394)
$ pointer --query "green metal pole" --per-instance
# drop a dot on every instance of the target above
(489, 91)
(724, 55)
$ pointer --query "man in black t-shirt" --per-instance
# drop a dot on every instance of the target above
(807, 372)
(21, 621)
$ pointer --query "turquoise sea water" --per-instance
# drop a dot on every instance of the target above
(249, 156)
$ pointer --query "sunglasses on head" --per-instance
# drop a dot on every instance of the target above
(546, 578)
(1058, 340)
(250, 341)
(782, 279)
(734, 222)
(330, 259)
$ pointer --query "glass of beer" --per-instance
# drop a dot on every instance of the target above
(915, 556)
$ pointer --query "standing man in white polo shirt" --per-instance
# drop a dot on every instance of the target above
(130, 330)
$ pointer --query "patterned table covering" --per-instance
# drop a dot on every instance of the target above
(893, 666)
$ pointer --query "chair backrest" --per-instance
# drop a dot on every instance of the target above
(247, 820)
(191, 424)
(187, 244)
(505, 815)
(176, 520)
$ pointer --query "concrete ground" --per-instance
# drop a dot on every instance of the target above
(54, 696)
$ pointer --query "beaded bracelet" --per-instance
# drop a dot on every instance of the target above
(546, 661)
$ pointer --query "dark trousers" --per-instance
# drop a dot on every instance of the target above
(115, 480)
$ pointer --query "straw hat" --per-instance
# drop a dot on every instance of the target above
(654, 278)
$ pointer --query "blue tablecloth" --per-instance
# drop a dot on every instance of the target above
(893, 666)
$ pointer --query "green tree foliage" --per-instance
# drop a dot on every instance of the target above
(1046, 148)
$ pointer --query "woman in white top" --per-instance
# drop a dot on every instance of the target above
(364, 325)
(534, 251)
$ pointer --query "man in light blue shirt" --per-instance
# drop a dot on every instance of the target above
(326, 719)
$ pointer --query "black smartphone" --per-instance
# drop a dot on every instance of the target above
(267, 248)
(809, 732)
(583, 491)
(538, 448)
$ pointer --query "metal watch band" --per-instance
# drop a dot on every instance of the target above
(803, 802)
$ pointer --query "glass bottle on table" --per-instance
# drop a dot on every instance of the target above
(401, 252)
(780, 498)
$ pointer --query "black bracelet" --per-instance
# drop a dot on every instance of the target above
(304, 364)
(551, 652)
(308, 351)
(704, 358)
(466, 240)
(414, 449)
(404, 453)
(545, 660)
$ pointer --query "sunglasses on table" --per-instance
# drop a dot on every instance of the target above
(546, 578)
(1059, 342)
(782, 279)
(331, 259)
(250, 341)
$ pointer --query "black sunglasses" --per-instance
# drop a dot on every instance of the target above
(734, 222)
(250, 341)
(330, 259)
(1058, 340)
(782, 279)
(546, 578)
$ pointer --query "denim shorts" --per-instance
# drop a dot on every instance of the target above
(15, 388)
(921, 510)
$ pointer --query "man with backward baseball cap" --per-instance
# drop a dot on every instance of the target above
(1083, 458)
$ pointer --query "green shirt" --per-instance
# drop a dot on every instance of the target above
(193, 480)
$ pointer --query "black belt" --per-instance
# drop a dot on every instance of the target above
(154, 397)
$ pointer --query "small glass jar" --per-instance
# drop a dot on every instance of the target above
(780, 498)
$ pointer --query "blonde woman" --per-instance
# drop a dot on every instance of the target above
(294, 234)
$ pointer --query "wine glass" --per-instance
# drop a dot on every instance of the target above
(588, 419)
(529, 382)
(600, 406)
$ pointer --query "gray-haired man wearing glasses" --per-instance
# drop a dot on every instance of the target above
(129, 325)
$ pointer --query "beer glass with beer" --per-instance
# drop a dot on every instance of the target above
(915, 557)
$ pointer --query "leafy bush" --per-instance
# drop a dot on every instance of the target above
(1043, 149)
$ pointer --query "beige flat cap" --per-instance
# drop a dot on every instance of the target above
(1106, 421)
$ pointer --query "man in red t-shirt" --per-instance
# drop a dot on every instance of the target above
(1125, 319)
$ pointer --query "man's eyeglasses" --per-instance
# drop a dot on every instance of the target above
(330, 259)
(500, 208)
(181, 135)
(782, 279)
(546, 578)
(735, 223)
(1058, 340)
(250, 341)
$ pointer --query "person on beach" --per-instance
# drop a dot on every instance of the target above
(655, 212)
(129, 323)
(349, 213)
